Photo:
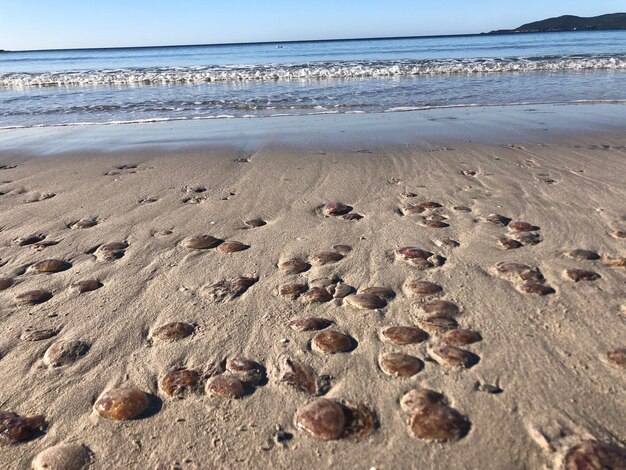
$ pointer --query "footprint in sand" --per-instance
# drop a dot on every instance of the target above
(122, 169)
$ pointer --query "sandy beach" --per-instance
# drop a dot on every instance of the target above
(539, 370)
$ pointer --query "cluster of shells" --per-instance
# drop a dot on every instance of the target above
(429, 415)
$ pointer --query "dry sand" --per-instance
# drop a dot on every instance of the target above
(547, 354)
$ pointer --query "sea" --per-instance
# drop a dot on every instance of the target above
(237, 81)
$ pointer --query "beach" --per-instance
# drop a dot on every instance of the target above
(452, 198)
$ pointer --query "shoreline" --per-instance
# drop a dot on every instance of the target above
(496, 125)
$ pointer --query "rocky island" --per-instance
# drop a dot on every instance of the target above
(563, 23)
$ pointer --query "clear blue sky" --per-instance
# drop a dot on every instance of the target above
(50, 24)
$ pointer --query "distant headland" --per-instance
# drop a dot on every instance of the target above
(570, 23)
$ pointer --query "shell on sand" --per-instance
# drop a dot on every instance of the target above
(520, 271)
(51, 266)
(294, 266)
(498, 219)
(326, 257)
(419, 289)
(5, 283)
(412, 252)
(342, 290)
(403, 335)
(343, 249)
(111, 251)
(578, 275)
(618, 233)
(534, 287)
(226, 386)
(228, 289)
(335, 208)
(400, 365)
(322, 418)
(592, 455)
(447, 243)
(430, 223)
(84, 223)
(255, 223)
(419, 398)
(179, 382)
(522, 226)
(617, 357)
(365, 301)
(581, 254)
(429, 205)
(461, 337)
(309, 324)
(30, 334)
(412, 210)
(232, 247)
(64, 352)
(614, 262)
(63, 457)
(437, 324)
(201, 242)
(462, 208)
(331, 342)
(292, 291)
(325, 282)
(42, 245)
(437, 422)
(28, 240)
(303, 377)
(173, 331)
(451, 356)
(33, 297)
(384, 293)
(15, 428)
(317, 295)
(359, 418)
(246, 370)
(440, 307)
(352, 216)
(508, 243)
(122, 404)
(87, 285)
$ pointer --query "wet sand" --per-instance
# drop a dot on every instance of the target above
(526, 358)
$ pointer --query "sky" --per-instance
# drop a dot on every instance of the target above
(60, 24)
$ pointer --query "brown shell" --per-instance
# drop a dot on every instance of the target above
(509, 244)
(522, 226)
(63, 457)
(246, 370)
(335, 208)
(232, 247)
(226, 290)
(226, 386)
(33, 297)
(578, 275)
(528, 238)
(173, 331)
(5, 283)
(384, 293)
(582, 255)
(28, 240)
(85, 223)
(419, 398)
(38, 334)
(437, 324)
(179, 382)
(498, 219)
(352, 216)
(343, 249)
(438, 423)
(303, 377)
(64, 352)
(342, 291)
(617, 357)
(430, 223)
(309, 324)
(255, 223)
(461, 337)
(614, 262)
(366, 301)
(412, 252)
(292, 291)
(201, 242)
(87, 285)
(403, 335)
(122, 403)
(420, 289)
(412, 210)
(51, 266)
(451, 356)
(618, 233)
(595, 455)
(533, 287)
(440, 307)
(294, 266)
(360, 420)
(429, 205)
(317, 295)
(15, 429)
(331, 342)
(326, 257)
(400, 365)
(322, 418)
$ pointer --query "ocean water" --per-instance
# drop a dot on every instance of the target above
(90, 86)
